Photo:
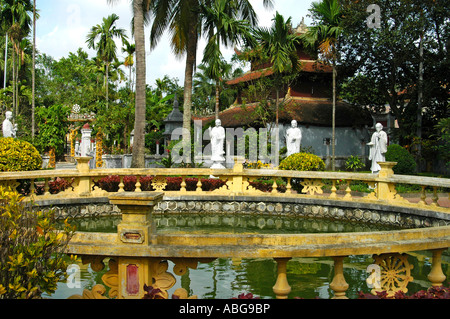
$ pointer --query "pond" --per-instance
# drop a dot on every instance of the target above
(228, 278)
(213, 223)
(308, 277)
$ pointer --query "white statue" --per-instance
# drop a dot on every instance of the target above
(217, 142)
(85, 146)
(378, 148)
(9, 130)
(293, 139)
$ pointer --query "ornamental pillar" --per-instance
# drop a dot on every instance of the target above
(339, 285)
(282, 288)
(436, 275)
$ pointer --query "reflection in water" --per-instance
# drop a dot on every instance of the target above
(308, 277)
(210, 223)
(227, 278)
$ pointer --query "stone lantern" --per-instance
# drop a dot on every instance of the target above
(172, 122)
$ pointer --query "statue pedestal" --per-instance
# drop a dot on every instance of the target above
(218, 165)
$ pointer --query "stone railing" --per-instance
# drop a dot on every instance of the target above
(138, 255)
(237, 181)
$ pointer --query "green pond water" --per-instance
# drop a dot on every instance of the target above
(227, 278)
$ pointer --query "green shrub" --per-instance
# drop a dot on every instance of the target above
(354, 163)
(405, 161)
(32, 258)
(302, 162)
(17, 155)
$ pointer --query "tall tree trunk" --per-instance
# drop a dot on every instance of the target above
(191, 58)
(333, 138)
(276, 156)
(6, 61)
(217, 99)
(33, 74)
(419, 107)
(138, 159)
(14, 82)
(107, 85)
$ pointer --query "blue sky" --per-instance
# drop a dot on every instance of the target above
(64, 25)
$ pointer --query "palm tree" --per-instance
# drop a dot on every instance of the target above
(33, 75)
(222, 26)
(279, 45)
(138, 159)
(183, 19)
(325, 35)
(16, 21)
(106, 46)
(140, 16)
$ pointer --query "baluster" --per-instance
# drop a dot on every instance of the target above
(282, 288)
(121, 185)
(199, 185)
(348, 191)
(435, 197)
(32, 188)
(436, 275)
(46, 187)
(333, 190)
(289, 187)
(275, 187)
(138, 184)
(183, 185)
(423, 196)
(339, 285)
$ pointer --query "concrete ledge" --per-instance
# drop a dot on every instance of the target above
(316, 207)
(265, 246)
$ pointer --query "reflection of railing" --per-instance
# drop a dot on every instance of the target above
(238, 181)
(139, 256)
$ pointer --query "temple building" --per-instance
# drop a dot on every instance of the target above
(308, 100)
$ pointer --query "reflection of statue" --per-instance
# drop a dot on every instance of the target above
(378, 148)
(293, 139)
(9, 130)
(217, 142)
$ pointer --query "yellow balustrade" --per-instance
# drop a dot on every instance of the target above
(139, 256)
(237, 182)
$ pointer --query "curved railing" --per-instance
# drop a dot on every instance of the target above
(142, 261)
(83, 182)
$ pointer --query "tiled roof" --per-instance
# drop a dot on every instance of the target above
(306, 111)
(306, 65)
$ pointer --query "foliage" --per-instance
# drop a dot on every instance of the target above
(432, 293)
(443, 139)
(152, 293)
(246, 296)
(256, 165)
(53, 126)
(382, 64)
(279, 44)
(354, 163)
(302, 162)
(17, 155)
(405, 161)
(32, 259)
